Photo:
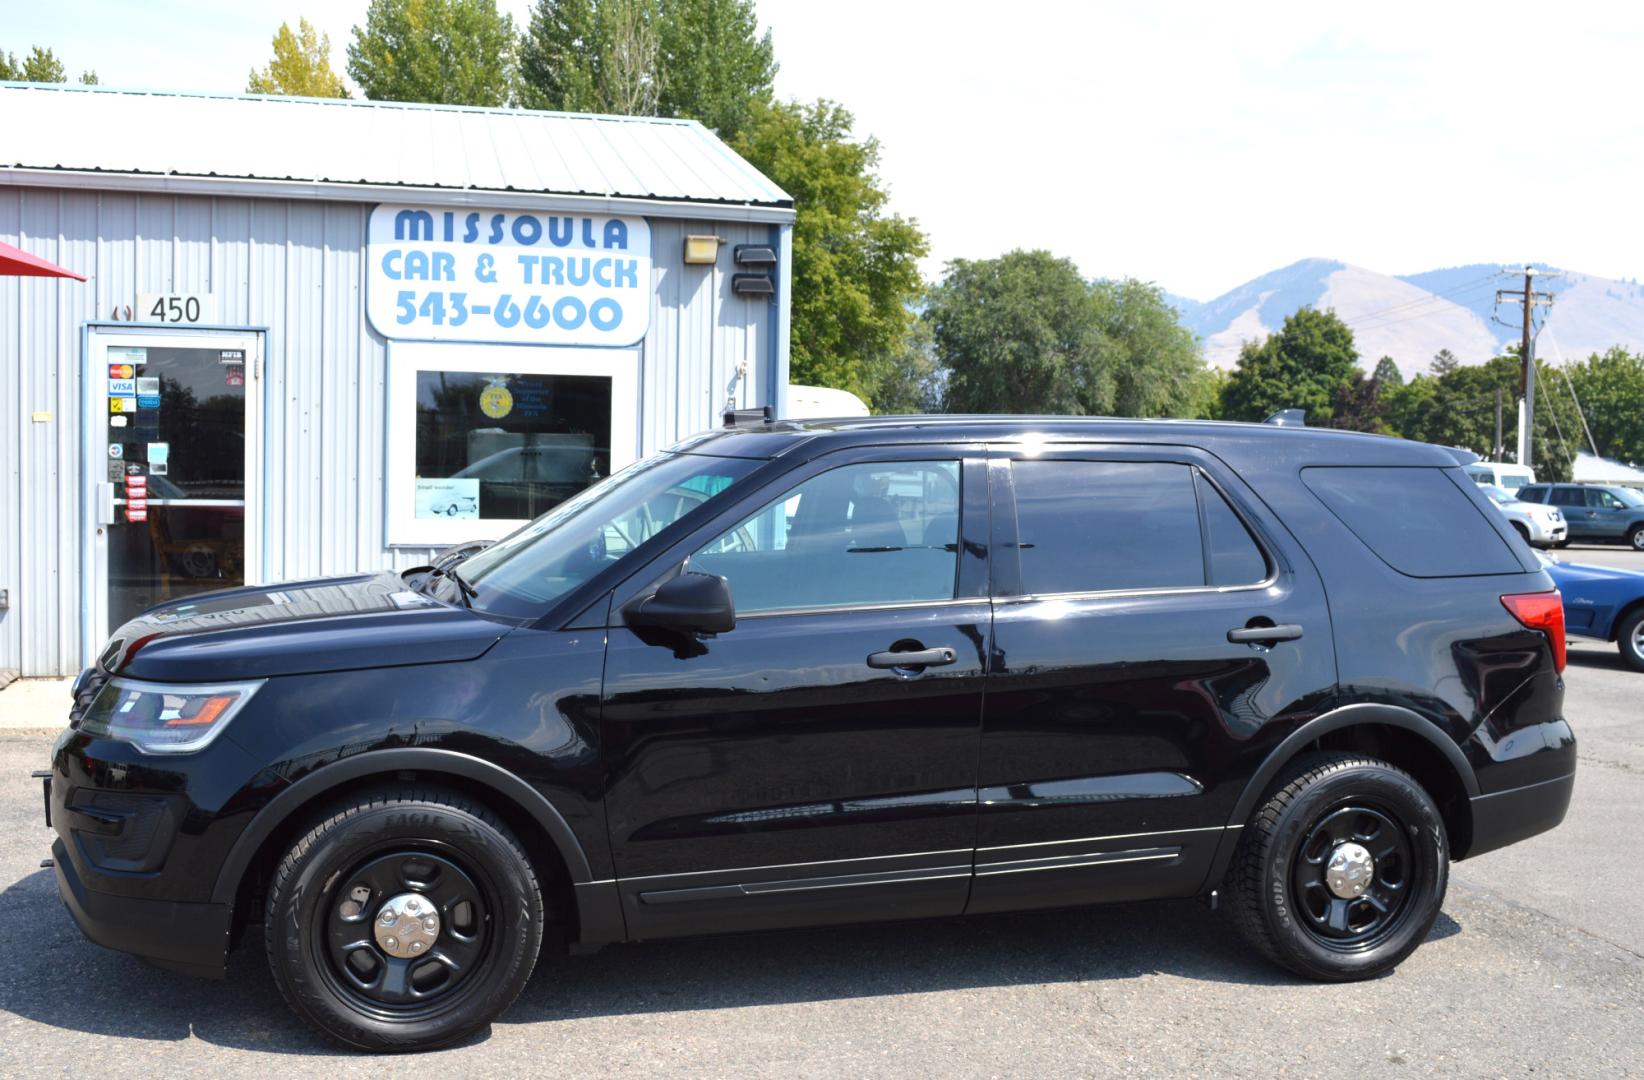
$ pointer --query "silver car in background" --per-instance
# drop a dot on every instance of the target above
(1541, 526)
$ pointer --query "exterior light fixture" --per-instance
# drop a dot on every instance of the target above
(752, 285)
(753, 255)
(701, 250)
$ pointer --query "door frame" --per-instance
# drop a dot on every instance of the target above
(97, 491)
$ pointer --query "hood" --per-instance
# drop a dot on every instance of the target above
(1563, 571)
(333, 624)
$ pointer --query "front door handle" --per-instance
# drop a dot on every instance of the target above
(1258, 635)
(913, 658)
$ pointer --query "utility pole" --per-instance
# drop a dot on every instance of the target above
(1528, 298)
(1496, 456)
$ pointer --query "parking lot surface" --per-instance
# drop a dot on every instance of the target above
(1535, 967)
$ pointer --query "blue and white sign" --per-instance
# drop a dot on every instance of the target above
(122, 388)
(526, 278)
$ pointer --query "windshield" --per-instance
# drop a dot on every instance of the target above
(1627, 496)
(1498, 494)
(522, 574)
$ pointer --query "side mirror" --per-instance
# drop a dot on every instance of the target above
(688, 603)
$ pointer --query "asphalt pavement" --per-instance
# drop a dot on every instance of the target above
(1536, 967)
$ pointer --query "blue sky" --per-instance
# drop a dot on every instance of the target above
(1193, 144)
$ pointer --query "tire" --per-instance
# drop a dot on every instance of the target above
(1291, 923)
(1629, 638)
(331, 962)
(1635, 537)
(1523, 532)
(1562, 544)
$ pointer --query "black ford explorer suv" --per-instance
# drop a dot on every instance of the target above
(803, 673)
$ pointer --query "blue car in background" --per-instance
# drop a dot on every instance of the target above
(1603, 602)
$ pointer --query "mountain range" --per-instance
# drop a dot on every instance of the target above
(1410, 317)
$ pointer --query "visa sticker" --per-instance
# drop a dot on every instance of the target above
(122, 387)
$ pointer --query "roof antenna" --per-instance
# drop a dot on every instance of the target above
(1288, 418)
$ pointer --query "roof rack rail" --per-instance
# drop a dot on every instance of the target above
(739, 418)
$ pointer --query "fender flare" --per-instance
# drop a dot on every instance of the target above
(1335, 720)
(376, 762)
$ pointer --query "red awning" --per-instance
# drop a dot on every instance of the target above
(17, 262)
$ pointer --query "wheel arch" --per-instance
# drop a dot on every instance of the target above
(1620, 615)
(1395, 734)
(540, 826)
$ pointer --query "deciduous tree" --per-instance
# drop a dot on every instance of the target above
(702, 59)
(40, 66)
(456, 52)
(301, 66)
(855, 265)
(1301, 366)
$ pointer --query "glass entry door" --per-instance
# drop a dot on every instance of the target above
(171, 458)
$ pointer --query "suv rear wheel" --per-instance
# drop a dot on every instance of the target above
(406, 919)
(1635, 537)
(1341, 872)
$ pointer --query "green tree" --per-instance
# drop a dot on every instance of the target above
(855, 266)
(39, 66)
(1019, 334)
(909, 379)
(1027, 333)
(702, 59)
(1458, 409)
(1388, 373)
(1610, 387)
(456, 52)
(1444, 362)
(301, 66)
(1302, 366)
(1155, 361)
(716, 65)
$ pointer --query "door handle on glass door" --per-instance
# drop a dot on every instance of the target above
(1259, 635)
(913, 658)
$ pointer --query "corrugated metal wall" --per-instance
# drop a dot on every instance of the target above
(296, 268)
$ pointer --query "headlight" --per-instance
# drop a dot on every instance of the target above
(162, 718)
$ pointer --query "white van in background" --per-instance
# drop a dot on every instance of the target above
(1500, 474)
(818, 402)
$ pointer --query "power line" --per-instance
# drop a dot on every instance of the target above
(1430, 298)
(1528, 299)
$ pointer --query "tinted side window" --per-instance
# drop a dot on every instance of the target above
(880, 533)
(1235, 559)
(1094, 526)
(1416, 519)
(1534, 493)
(1568, 497)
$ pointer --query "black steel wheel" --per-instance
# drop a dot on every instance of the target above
(395, 961)
(1352, 876)
(1341, 871)
(403, 920)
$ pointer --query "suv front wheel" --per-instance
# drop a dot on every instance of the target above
(405, 919)
(1341, 872)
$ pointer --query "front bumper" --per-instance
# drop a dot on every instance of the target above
(1542, 532)
(1506, 817)
(190, 938)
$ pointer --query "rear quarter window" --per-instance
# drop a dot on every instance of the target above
(1417, 520)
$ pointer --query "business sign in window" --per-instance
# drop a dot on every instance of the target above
(523, 278)
(483, 438)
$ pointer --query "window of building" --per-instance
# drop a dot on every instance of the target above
(483, 438)
(858, 535)
(1418, 520)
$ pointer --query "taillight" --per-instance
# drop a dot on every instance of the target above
(1542, 611)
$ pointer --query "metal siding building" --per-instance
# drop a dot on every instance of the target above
(263, 206)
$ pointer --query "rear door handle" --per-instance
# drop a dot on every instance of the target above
(1248, 635)
(912, 658)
